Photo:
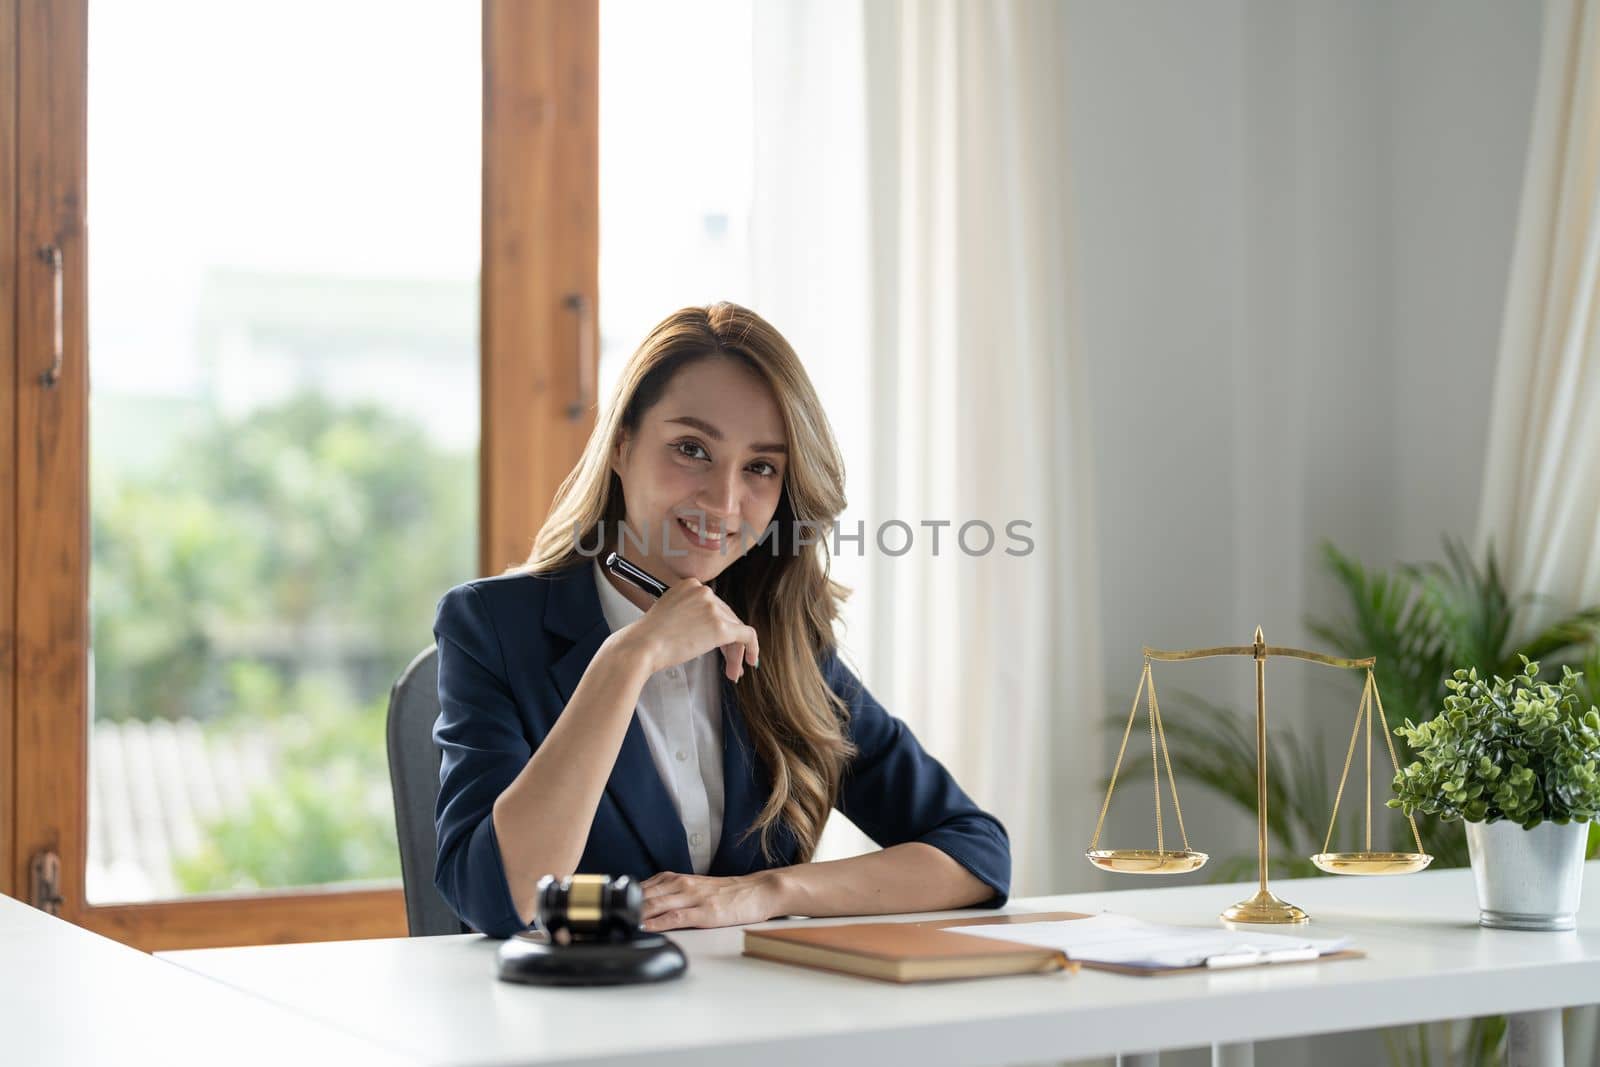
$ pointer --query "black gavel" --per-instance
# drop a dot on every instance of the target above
(589, 907)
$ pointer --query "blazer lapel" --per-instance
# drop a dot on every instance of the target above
(742, 791)
(573, 612)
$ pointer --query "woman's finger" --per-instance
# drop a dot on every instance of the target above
(664, 903)
(666, 880)
(679, 919)
(733, 660)
(661, 889)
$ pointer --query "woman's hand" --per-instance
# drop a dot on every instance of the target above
(677, 901)
(690, 620)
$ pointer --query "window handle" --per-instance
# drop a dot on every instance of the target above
(51, 255)
(580, 303)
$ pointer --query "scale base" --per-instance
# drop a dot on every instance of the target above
(1265, 908)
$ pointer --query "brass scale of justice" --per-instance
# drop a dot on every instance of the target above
(1263, 907)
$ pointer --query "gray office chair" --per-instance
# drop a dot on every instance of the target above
(414, 777)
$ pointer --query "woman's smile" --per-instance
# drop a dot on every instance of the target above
(712, 542)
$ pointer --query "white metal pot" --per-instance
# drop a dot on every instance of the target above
(1527, 879)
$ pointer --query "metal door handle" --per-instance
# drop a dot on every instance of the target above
(51, 255)
(581, 304)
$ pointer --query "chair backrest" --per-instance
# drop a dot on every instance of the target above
(414, 777)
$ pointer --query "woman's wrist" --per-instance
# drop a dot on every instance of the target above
(630, 653)
(777, 891)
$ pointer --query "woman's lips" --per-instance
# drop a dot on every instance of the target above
(696, 540)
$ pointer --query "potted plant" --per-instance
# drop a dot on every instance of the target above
(1516, 759)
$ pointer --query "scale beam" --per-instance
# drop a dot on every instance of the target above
(1268, 652)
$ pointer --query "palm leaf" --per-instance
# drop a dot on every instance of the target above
(1389, 612)
(1560, 642)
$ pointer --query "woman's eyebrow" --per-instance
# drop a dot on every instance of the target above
(716, 435)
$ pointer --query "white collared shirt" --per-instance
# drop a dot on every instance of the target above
(680, 710)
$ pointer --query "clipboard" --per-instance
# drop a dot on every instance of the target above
(1123, 968)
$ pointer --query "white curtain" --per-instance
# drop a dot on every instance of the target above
(910, 234)
(1541, 494)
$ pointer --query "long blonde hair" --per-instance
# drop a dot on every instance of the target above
(782, 589)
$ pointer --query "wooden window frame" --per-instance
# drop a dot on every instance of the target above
(538, 346)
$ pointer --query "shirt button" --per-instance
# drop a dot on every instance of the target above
(696, 839)
(682, 755)
(672, 672)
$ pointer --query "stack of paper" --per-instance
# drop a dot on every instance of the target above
(1126, 941)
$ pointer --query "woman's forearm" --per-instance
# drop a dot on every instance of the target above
(542, 819)
(902, 878)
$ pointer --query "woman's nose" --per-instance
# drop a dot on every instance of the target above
(720, 495)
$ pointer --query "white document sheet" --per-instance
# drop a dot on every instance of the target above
(1108, 938)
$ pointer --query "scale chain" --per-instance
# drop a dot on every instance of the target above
(1363, 710)
(1172, 779)
(1388, 740)
(1370, 686)
(1155, 764)
(1111, 786)
(1159, 754)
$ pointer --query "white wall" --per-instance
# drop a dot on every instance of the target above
(1458, 135)
(1294, 230)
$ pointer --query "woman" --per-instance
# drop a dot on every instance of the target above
(696, 743)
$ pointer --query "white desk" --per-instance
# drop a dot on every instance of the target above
(71, 997)
(438, 999)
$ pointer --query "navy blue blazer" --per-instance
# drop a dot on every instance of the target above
(512, 650)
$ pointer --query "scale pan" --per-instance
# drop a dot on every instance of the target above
(1371, 863)
(1146, 860)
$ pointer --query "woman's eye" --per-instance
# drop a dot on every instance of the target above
(695, 450)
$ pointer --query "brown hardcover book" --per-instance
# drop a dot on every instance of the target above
(900, 952)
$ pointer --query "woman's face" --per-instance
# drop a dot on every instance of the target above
(704, 471)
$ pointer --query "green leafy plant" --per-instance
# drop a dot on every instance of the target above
(1508, 748)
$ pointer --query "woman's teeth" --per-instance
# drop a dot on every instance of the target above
(698, 534)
